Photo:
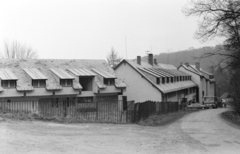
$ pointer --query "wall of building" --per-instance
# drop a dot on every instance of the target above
(196, 79)
(212, 89)
(138, 88)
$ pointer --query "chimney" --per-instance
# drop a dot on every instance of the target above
(139, 60)
(155, 61)
(187, 64)
(198, 66)
(150, 59)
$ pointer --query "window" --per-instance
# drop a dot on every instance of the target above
(167, 80)
(66, 82)
(9, 83)
(109, 81)
(85, 99)
(158, 80)
(163, 80)
(86, 83)
(38, 83)
(172, 79)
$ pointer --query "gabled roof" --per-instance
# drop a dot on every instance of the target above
(201, 72)
(6, 74)
(159, 72)
(62, 74)
(35, 74)
(82, 72)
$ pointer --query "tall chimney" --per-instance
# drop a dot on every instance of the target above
(198, 66)
(155, 61)
(139, 60)
(187, 64)
(150, 59)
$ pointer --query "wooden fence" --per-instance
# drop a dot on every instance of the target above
(107, 112)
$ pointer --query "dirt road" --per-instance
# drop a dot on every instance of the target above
(195, 133)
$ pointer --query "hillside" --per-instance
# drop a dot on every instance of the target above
(188, 56)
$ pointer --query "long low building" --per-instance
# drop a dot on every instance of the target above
(36, 80)
(154, 81)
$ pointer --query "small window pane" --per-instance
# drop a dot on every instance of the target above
(34, 83)
(4, 83)
(42, 83)
(69, 82)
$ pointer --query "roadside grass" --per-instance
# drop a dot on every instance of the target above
(164, 119)
(232, 116)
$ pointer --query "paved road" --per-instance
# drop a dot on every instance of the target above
(196, 133)
(212, 132)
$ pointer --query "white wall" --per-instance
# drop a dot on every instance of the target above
(195, 78)
(138, 88)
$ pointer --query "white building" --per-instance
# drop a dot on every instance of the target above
(153, 81)
(204, 80)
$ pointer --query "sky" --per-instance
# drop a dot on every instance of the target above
(88, 29)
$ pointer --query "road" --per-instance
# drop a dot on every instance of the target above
(200, 132)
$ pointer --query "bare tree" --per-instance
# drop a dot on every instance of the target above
(16, 50)
(218, 18)
(113, 58)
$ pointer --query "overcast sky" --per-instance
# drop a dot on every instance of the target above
(75, 29)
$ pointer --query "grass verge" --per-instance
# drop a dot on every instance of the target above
(232, 116)
(164, 119)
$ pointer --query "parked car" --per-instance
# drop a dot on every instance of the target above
(210, 101)
(195, 105)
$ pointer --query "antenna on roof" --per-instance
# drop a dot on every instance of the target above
(168, 50)
(147, 52)
(126, 46)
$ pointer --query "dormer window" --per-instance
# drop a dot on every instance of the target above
(109, 81)
(86, 82)
(9, 83)
(38, 83)
(163, 80)
(66, 82)
(167, 79)
(158, 80)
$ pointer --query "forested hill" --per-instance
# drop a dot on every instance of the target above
(190, 56)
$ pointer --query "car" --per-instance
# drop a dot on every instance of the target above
(210, 101)
(195, 105)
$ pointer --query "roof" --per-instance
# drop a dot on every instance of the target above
(82, 72)
(6, 74)
(201, 72)
(170, 87)
(120, 84)
(16, 67)
(76, 85)
(160, 72)
(62, 74)
(35, 74)
(104, 73)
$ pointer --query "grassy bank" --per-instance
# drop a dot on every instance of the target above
(164, 119)
(232, 116)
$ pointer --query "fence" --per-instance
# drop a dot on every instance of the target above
(148, 108)
(108, 111)
(105, 111)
